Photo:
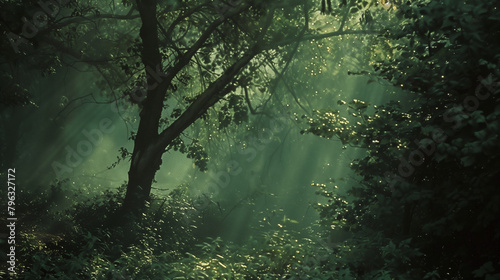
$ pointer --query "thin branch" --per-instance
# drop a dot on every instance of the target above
(60, 23)
(346, 14)
(323, 36)
(252, 110)
(215, 91)
(181, 17)
(295, 97)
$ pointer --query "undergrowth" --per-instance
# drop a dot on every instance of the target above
(60, 240)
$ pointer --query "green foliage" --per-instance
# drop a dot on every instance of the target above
(427, 198)
(88, 244)
(275, 255)
(434, 216)
(12, 93)
(236, 103)
(194, 150)
(88, 241)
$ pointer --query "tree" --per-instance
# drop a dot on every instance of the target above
(427, 195)
(186, 57)
(265, 27)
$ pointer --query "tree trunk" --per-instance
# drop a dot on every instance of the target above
(149, 144)
(145, 163)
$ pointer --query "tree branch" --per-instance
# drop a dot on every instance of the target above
(215, 91)
(323, 36)
(153, 105)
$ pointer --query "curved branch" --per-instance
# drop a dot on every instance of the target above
(61, 24)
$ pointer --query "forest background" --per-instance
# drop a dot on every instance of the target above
(179, 139)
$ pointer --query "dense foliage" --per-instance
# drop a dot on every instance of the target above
(80, 242)
(426, 204)
(427, 199)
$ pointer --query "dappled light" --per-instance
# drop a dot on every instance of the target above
(280, 139)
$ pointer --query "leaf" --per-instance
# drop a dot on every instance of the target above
(467, 161)
(481, 134)
(483, 270)
(439, 157)
(432, 275)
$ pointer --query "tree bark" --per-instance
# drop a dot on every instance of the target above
(144, 161)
